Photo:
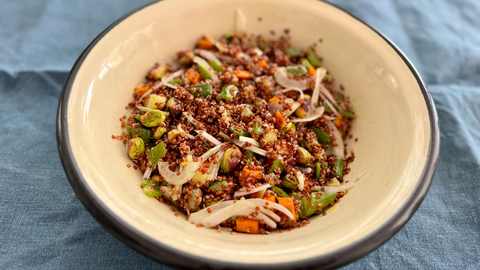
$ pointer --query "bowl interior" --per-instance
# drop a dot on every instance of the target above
(393, 129)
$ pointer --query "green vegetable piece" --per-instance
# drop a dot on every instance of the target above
(157, 73)
(257, 129)
(297, 70)
(205, 90)
(294, 52)
(156, 153)
(280, 192)
(318, 169)
(229, 36)
(328, 78)
(138, 116)
(304, 157)
(228, 92)
(246, 111)
(296, 195)
(287, 183)
(312, 57)
(151, 189)
(338, 166)
(176, 81)
(152, 118)
(161, 182)
(170, 102)
(218, 186)
(306, 63)
(288, 127)
(239, 133)
(159, 133)
(204, 72)
(216, 66)
(322, 137)
(276, 164)
(230, 160)
(151, 103)
(250, 155)
(346, 114)
(327, 109)
(195, 200)
(172, 134)
(143, 134)
(314, 204)
(135, 146)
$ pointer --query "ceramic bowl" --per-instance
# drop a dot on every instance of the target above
(397, 131)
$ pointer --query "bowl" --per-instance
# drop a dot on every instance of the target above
(397, 131)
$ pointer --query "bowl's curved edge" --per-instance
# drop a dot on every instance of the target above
(163, 254)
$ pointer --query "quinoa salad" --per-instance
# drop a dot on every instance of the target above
(243, 132)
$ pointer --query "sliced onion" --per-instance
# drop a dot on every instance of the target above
(329, 105)
(212, 151)
(324, 91)
(147, 173)
(166, 79)
(243, 191)
(216, 167)
(240, 21)
(243, 55)
(282, 79)
(201, 62)
(251, 148)
(305, 170)
(209, 137)
(249, 140)
(224, 210)
(140, 107)
(208, 55)
(291, 89)
(257, 51)
(340, 148)
(179, 127)
(267, 220)
(317, 112)
(301, 180)
(186, 173)
(190, 118)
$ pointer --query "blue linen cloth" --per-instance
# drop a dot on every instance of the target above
(44, 226)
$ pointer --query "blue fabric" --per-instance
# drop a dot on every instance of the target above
(44, 226)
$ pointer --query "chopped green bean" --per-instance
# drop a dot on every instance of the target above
(218, 186)
(338, 166)
(179, 81)
(257, 129)
(276, 164)
(294, 52)
(297, 70)
(205, 90)
(312, 57)
(306, 63)
(239, 133)
(205, 74)
(216, 66)
(322, 137)
(280, 192)
(287, 183)
(345, 113)
(228, 92)
(250, 154)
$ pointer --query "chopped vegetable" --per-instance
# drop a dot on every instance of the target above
(156, 153)
(205, 44)
(280, 192)
(192, 75)
(243, 75)
(143, 134)
(238, 132)
(290, 205)
(304, 157)
(280, 119)
(294, 52)
(313, 59)
(228, 92)
(216, 66)
(152, 118)
(136, 147)
(276, 164)
(151, 189)
(201, 90)
(287, 183)
(247, 225)
(322, 137)
(231, 158)
(338, 166)
(297, 70)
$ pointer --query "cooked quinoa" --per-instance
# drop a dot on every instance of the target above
(243, 132)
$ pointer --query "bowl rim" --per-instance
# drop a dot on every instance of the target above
(157, 251)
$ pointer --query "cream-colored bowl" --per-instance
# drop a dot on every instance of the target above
(397, 131)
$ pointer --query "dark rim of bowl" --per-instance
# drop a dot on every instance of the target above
(177, 258)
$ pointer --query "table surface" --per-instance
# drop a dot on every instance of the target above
(44, 225)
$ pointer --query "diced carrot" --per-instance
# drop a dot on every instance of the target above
(289, 204)
(258, 194)
(205, 44)
(338, 121)
(247, 173)
(263, 63)
(192, 75)
(280, 119)
(247, 225)
(243, 74)
(311, 71)
(273, 100)
(270, 197)
(140, 91)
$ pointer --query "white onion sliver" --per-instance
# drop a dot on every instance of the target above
(147, 173)
(329, 105)
(340, 148)
(210, 152)
(249, 140)
(270, 213)
(291, 89)
(282, 79)
(243, 55)
(179, 127)
(251, 148)
(301, 180)
(294, 108)
(318, 112)
(305, 170)
(209, 137)
(244, 192)
(216, 167)
(266, 219)
(208, 55)
(324, 91)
